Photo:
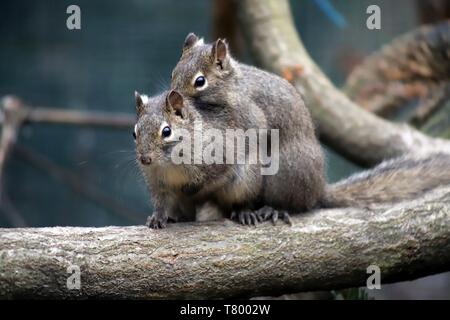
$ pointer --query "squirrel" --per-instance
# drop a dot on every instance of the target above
(210, 86)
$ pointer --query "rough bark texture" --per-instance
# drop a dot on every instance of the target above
(342, 124)
(323, 250)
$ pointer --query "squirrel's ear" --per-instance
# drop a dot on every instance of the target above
(174, 101)
(139, 103)
(190, 41)
(220, 53)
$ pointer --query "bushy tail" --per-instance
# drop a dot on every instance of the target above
(402, 178)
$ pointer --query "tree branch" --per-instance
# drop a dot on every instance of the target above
(358, 134)
(34, 114)
(327, 249)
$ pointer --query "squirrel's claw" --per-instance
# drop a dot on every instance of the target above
(156, 221)
(265, 213)
(245, 217)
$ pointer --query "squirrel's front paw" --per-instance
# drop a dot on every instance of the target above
(156, 221)
(268, 213)
(245, 217)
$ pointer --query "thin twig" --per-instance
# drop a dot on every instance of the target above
(81, 118)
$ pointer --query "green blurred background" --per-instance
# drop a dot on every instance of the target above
(133, 45)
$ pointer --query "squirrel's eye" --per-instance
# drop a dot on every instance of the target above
(200, 81)
(166, 131)
(134, 133)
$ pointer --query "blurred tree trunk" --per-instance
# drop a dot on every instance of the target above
(343, 124)
(408, 80)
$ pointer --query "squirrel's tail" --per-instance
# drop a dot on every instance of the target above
(394, 180)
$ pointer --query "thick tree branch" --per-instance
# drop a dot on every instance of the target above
(13, 115)
(327, 249)
(358, 134)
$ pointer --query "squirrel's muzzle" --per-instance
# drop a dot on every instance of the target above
(145, 160)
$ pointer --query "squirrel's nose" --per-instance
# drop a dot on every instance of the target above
(145, 160)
